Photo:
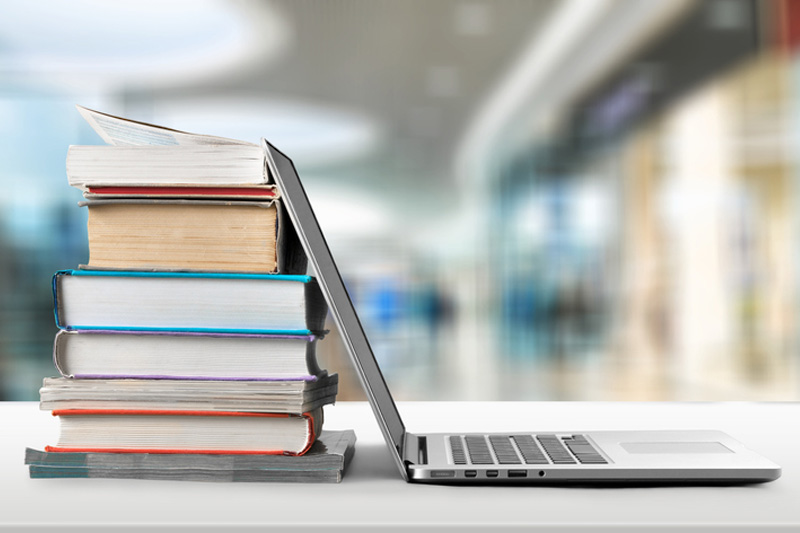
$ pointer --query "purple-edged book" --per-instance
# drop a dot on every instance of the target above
(185, 355)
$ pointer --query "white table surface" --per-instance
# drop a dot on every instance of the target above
(373, 493)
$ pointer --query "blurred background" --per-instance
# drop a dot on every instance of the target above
(577, 199)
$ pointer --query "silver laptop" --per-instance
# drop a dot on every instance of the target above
(530, 457)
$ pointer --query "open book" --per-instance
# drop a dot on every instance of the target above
(120, 131)
(147, 156)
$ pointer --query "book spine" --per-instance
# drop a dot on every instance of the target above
(314, 420)
(56, 300)
(316, 307)
(291, 257)
(58, 344)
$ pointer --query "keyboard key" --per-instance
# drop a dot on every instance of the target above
(592, 460)
(583, 450)
(529, 450)
(457, 449)
(555, 450)
(478, 450)
(504, 450)
(580, 448)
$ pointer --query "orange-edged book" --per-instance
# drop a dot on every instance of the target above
(186, 432)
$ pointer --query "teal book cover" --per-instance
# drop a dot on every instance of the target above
(234, 303)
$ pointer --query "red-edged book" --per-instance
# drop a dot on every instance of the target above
(264, 192)
(186, 432)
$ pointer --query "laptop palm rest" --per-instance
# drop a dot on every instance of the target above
(675, 447)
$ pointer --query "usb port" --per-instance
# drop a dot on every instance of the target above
(517, 473)
(470, 473)
(491, 473)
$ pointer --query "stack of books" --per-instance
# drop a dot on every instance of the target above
(187, 344)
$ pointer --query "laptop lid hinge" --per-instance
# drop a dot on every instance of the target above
(415, 449)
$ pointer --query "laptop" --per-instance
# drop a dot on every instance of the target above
(534, 457)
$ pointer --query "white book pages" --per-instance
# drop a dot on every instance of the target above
(121, 131)
(143, 166)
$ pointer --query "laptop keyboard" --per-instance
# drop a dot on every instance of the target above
(523, 449)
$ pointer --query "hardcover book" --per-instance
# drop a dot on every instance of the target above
(185, 431)
(191, 235)
(185, 355)
(188, 302)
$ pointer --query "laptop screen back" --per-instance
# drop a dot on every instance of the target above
(341, 307)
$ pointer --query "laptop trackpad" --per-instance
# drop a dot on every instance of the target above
(675, 447)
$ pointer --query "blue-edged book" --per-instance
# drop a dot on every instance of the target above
(112, 300)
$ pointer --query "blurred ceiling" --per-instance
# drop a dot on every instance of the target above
(395, 99)
(411, 73)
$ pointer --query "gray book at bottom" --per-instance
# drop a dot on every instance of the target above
(186, 474)
(326, 461)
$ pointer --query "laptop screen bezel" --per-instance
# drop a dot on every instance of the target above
(339, 303)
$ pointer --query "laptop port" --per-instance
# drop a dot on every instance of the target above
(470, 473)
(491, 473)
(517, 473)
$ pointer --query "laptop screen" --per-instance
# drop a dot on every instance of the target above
(341, 307)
